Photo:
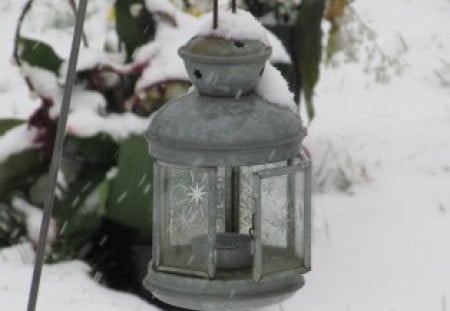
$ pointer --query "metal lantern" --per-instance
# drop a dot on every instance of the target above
(231, 210)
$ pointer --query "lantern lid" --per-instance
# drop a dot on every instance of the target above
(220, 66)
(198, 130)
(214, 48)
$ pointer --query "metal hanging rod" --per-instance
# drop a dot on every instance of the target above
(234, 6)
(216, 14)
(216, 11)
(57, 155)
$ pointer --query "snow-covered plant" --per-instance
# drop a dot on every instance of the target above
(337, 169)
(106, 173)
(277, 11)
(351, 39)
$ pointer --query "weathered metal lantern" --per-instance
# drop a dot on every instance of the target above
(231, 212)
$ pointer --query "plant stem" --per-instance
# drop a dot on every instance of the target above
(24, 12)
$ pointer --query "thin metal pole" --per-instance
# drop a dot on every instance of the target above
(57, 154)
(233, 6)
(216, 14)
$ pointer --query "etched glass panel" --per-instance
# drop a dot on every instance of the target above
(283, 223)
(274, 220)
(274, 225)
(246, 203)
(185, 218)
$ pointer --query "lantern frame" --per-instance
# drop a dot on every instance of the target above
(207, 290)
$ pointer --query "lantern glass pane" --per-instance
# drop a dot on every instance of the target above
(246, 202)
(275, 225)
(185, 217)
(283, 225)
(300, 238)
(221, 194)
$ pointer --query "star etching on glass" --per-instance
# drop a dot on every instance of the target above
(196, 194)
(190, 203)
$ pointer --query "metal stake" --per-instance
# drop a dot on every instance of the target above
(57, 154)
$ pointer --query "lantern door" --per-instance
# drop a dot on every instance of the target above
(184, 219)
(282, 227)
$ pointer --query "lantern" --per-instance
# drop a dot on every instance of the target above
(231, 210)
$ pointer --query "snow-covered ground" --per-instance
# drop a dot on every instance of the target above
(383, 244)
(65, 286)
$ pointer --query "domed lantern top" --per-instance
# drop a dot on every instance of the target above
(223, 122)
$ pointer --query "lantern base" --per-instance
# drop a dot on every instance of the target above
(221, 295)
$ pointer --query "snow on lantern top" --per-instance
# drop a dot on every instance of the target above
(235, 26)
(230, 59)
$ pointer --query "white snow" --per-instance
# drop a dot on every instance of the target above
(56, 29)
(239, 26)
(86, 118)
(14, 101)
(384, 243)
(135, 9)
(162, 52)
(279, 53)
(163, 6)
(82, 101)
(44, 82)
(16, 140)
(33, 217)
(274, 88)
(118, 126)
(112, 173)
(65, 286)
(90, 58)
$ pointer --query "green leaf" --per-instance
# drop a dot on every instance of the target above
(20, 171)
(308, 47)
(12, 226)
(258, 8)
(130, 199)
(133, 31)
(100, 149)
(7, 124)
(39, 54)
(332, 42)
(285, 69)
(79, 213)
(81, 207)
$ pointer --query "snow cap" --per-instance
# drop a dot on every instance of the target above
(236, 26)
